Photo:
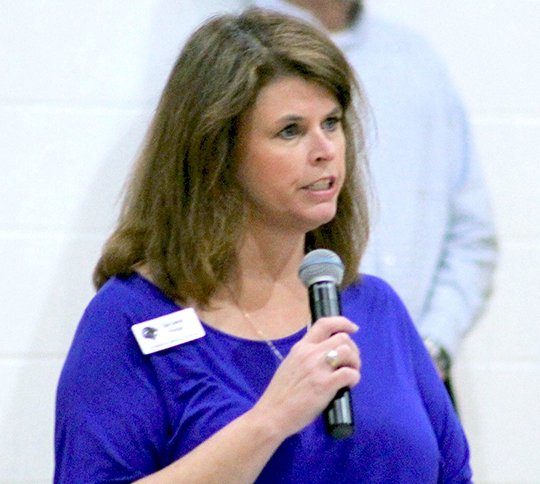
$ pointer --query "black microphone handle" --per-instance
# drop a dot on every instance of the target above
(324, 301)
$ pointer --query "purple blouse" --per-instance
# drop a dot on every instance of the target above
(122, 415)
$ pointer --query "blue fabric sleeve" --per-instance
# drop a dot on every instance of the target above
(453, 445)
(110, 417)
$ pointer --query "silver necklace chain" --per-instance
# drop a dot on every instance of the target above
(265, 338)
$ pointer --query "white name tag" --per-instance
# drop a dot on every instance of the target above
(168, 331)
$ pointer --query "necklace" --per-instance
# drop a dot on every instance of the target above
(267, 340)
(250, 321)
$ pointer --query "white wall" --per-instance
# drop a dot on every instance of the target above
(78, 83)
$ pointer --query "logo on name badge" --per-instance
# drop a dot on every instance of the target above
(149, 332)
(167, 331)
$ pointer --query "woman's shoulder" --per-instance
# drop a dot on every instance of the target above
(369, 286)
(133, 286)
(131, 298)
(372, 295)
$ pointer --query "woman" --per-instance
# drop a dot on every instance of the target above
(249, 163)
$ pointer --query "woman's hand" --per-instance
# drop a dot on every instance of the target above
(307, 380)
(299, 391)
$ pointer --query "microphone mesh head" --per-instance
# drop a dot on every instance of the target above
(321, 265)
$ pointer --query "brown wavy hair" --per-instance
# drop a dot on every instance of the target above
(184, 211)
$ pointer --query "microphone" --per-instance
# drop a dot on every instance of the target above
(321, 272)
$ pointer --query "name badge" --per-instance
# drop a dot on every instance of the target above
(167, 331)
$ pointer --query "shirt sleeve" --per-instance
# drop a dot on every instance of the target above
(110, 419)
(453, 445)
(463, 279)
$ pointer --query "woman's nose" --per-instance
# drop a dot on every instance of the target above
(323, 147)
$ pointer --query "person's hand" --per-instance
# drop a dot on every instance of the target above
(308, 379)
(440, 358)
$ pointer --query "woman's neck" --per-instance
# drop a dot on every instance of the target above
(264, 291)
(266, 259)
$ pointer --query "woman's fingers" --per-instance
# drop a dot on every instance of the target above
(323, 361)
(341, 353)
(323, 328)
(333, 335)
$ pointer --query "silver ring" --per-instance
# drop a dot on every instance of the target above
(332, 358)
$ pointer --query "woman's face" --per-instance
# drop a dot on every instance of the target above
(291, 154)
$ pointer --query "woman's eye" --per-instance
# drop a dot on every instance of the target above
(331, 123)
(289, 131)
